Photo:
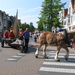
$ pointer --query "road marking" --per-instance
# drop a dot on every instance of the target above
(59, 64)
(59, 53)
(62, 70)
(61, 56)
(11, 59)
(16, 57)
(50, 66)
(21, 54)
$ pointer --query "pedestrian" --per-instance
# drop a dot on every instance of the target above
(30, 34)
(26, 37)
(35, 37)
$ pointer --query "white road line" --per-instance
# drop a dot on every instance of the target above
(60, 53)
(11, 59)
(63, 70)
(21, 54)
(62, 56)
(17, 56)
(59, 64)
(60, 70)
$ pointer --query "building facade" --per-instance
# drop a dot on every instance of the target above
(67, 17)
(6, 21)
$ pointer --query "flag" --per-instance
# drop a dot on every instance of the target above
(15, 26)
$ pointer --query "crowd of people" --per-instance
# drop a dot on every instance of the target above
(9, 34)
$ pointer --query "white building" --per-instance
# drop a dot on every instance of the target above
(67, 17)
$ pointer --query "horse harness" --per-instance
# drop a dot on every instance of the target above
(52, 42)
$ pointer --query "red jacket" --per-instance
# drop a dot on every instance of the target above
(11, 35)
(21, 32)
(11, 28)
(5, 34)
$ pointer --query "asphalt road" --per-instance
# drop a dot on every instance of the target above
(12, 62)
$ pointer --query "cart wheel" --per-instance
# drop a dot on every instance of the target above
(2, 43)
(22, 49)
(25, 49)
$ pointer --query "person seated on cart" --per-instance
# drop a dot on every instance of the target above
(11, 28)
(5, 34)
(20, 34)
(11, 34)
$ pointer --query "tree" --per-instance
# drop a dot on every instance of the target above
(40, 25)
(31, 28)
(49, 14)
(25, 25)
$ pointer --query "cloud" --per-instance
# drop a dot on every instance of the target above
(25, 15)
(30, 10)
(30, 19)
(34, 9)
(12, 9)
(28, 16)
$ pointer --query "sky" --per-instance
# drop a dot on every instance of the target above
(28, 10)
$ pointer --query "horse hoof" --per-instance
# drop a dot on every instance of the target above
(57, 60)
(66, 59)
(36, 56)
(45, 57)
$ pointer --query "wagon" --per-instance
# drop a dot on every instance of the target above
(17, 43)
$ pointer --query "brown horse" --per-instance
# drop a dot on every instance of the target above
(53, 39)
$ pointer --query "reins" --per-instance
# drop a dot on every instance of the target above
(52, 42)
(57, 41)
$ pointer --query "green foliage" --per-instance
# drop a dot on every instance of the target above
(49, 14)
(25, 25)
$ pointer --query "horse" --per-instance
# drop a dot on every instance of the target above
(53, 39)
